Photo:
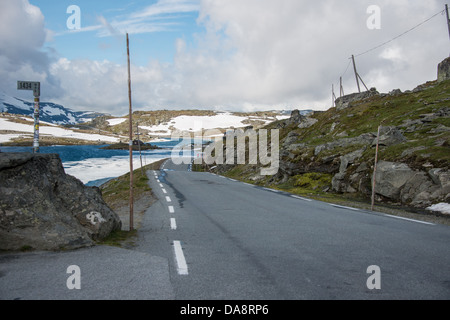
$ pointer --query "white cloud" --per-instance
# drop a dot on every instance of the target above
(166, 7)
(22, 35)
(252, 54)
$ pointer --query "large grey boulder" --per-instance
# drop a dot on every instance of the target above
(389, 136)
(398, 182)
(391, 178)
(43, 208)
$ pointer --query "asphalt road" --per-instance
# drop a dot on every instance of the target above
(225, 239)
(212, 238)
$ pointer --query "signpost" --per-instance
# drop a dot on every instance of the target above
(36, 88)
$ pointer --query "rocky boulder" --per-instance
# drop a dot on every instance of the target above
(398, 182)
(444, 70)
(389, 136)
(43, 208)
(345, 101)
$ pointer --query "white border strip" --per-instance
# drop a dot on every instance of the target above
(179, 257)
(344, 207)
(412, 220)
(301, 198)
(272, 190)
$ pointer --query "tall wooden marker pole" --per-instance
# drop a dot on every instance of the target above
(131, 136)
(36, 88)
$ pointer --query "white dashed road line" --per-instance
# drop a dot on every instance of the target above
(171, 209)
(179, 257)
(173, 224)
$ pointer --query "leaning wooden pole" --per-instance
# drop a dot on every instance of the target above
(131, 136)
(356, 73)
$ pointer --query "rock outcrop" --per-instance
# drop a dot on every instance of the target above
(398, 182)
(43, 208)
(345, 101)
(444, 70)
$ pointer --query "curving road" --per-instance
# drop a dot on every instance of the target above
(225, 239)
(212, 238)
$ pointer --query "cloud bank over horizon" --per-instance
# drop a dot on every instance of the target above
(249, 55)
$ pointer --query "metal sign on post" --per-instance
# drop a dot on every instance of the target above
(36, 88)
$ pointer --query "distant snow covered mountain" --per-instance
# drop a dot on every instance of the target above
(49, 112)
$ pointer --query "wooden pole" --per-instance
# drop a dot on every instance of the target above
(363, 82)
(375, 169)
(131, 136)
(356, 73)
(448, 19)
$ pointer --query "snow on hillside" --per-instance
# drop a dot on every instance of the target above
(50, 112)
(49, 129)
(117, 121)
(223, 120)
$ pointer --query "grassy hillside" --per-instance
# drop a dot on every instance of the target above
(433, 136)
(311, 157)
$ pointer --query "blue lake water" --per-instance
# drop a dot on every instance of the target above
(94, 166)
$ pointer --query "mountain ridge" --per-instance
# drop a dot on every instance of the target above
(49, 111)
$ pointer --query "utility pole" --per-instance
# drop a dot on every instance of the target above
(358, 77)
(36, 88)
(341, 93)
(131, 136)
(448, 19)
(356, 73)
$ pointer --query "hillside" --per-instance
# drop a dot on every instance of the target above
(332, 152)
(17, 130)
(50, 112)
(164, 123)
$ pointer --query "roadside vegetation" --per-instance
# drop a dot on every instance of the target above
(116, 194)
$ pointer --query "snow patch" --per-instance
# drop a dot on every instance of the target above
(115, 122)
(52, 131)
(440, 207)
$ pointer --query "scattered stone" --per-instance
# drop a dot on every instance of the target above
(307, 122)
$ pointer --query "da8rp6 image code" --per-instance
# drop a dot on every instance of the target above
(244, 309)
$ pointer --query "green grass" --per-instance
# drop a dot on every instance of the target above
(118, 190)
(120, 238)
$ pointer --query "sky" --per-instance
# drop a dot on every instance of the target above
(230, 55)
